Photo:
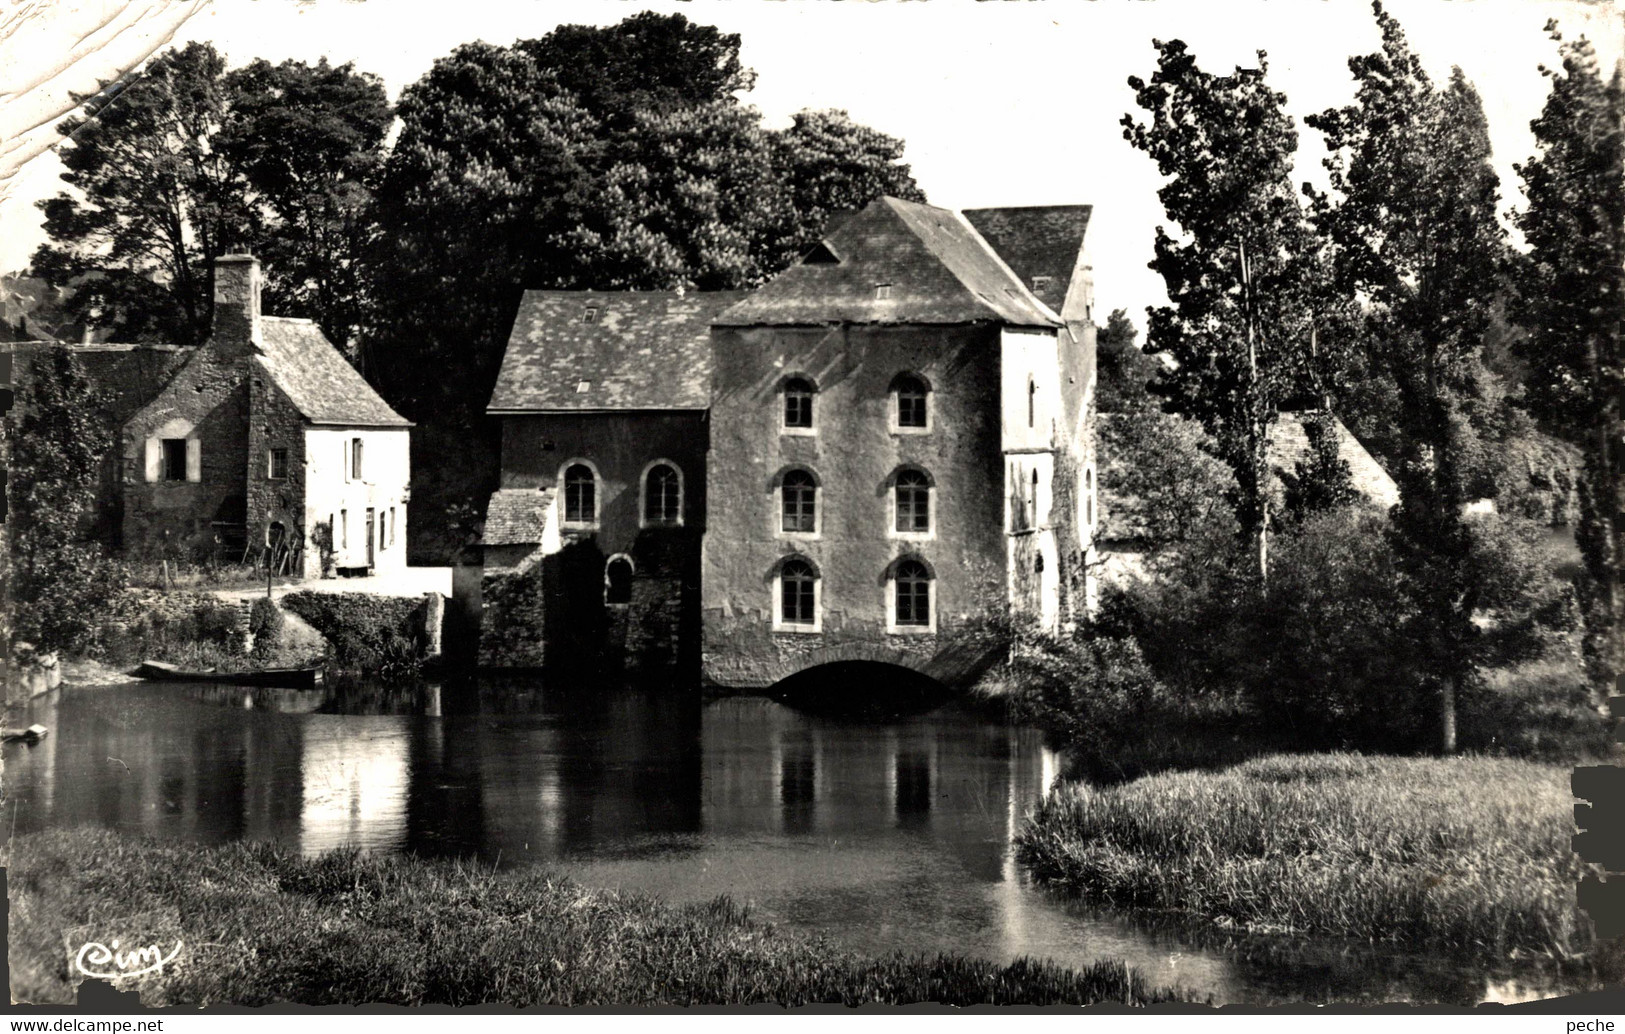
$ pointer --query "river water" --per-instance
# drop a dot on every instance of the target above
(882, 836)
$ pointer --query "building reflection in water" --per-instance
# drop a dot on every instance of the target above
(886, 836)
(355, 775)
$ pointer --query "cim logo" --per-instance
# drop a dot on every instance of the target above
(109, 962)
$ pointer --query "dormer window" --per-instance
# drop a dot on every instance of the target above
(821, 255)
(1040, 284)
(591, 315)
(882, 292)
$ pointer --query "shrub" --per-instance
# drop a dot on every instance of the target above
(265, 621)
(1081, 685)
(1331, 653)
(368, 632)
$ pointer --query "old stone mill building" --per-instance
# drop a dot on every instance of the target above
(865, 459)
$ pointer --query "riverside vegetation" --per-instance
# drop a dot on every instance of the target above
(260, 924)
(1469, 854)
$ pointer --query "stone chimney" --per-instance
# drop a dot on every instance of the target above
(236, 303)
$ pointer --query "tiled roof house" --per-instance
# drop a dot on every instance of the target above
(267, 441)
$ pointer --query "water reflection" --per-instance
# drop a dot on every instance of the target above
(884, 835)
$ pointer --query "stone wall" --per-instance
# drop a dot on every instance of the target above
(357, 622)
(207, 403)
(533, 607)
(278, 424)
(855, 455)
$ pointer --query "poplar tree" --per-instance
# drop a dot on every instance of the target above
(1571, 301)
(1244, 275)
(1412, 223)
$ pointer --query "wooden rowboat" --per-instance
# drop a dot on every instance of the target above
(296, 678)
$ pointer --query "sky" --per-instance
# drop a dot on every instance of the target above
(1016, 102)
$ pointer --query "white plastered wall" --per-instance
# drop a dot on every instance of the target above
(332, 492)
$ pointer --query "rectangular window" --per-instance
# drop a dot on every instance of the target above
(172, 461)
(392, 525)
(914, 603)
(276, 464)
(355, 458)
(798, 601)
(344, 529)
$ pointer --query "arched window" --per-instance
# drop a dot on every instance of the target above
(580, 494)
(798, 403)
(1034, 518)
(662, 495)
(912, 586)
(911, 402)
(1032, 402)
(799, 508)
(913, 502)
(798, 593)
(618, 581)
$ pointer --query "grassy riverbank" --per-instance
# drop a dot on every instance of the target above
(1469, 854)
(260, 924)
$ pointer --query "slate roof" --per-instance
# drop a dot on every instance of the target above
(1289, 443)
(317, 380)
(643, 350)
(516, 516)
(939, 269)
(1040, 240)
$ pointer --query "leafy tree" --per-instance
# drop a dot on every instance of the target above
(1163, 486)
(1124, 371)
(831, 164)
(1413, 228)
(308, 140)
(1572, 302)
(1320, 481)
(185, 162)
(159, 200)
(648, 62)
(487, 174)
(61, 578)
(688, 197)
(1244, 278)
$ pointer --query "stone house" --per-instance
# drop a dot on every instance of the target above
(602, 400)
(266, 438)
(862, 459)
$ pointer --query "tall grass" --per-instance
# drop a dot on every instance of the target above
(260, 924)
(1471, 854)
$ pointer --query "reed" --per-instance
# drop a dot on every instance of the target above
(1470, 853)
(261, 924)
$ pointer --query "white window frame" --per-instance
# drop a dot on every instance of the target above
(563, 491)
(630, 563)
(893, 397)
(270, 463)
(777, 611)
(930, 501)
(818, 506)
(812, 405)
(174, 429)
(643, 495)
(892, 627)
